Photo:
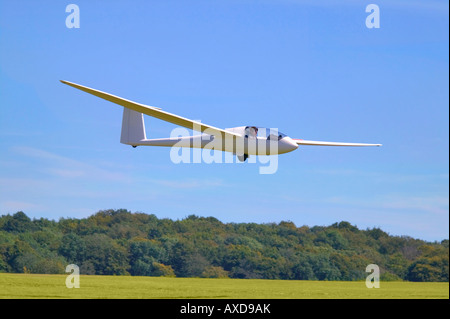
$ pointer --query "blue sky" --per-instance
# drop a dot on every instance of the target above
(310, 68)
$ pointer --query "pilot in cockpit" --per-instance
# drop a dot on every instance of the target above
(251, 131)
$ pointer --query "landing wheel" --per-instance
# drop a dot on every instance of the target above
(242, 158)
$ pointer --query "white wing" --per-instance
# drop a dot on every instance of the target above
(155, 112)
(320, 143)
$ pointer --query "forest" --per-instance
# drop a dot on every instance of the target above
(118, 242)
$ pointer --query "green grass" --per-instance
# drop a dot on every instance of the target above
(120, 287)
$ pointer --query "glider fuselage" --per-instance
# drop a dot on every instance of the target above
(273, 144)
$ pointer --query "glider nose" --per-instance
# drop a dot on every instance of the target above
(287, 145)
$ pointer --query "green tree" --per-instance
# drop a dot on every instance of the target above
(107, 257)
(19, 222)
(143, 253)
(118, 242)
(73, 248)
(214, 272)
(162, 270)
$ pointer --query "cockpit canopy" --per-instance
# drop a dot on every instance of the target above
(263, 132)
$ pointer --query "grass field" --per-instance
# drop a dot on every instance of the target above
(17, 286)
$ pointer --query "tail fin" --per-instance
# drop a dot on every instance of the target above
(133, 129)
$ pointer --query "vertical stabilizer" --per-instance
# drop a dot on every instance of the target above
(133, 129)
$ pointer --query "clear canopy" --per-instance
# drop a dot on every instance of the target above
(263, 132)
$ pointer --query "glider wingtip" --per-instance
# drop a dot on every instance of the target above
(68, 82)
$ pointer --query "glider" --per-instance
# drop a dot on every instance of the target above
(242, 141)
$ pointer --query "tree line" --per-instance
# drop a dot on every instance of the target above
(118, 242)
